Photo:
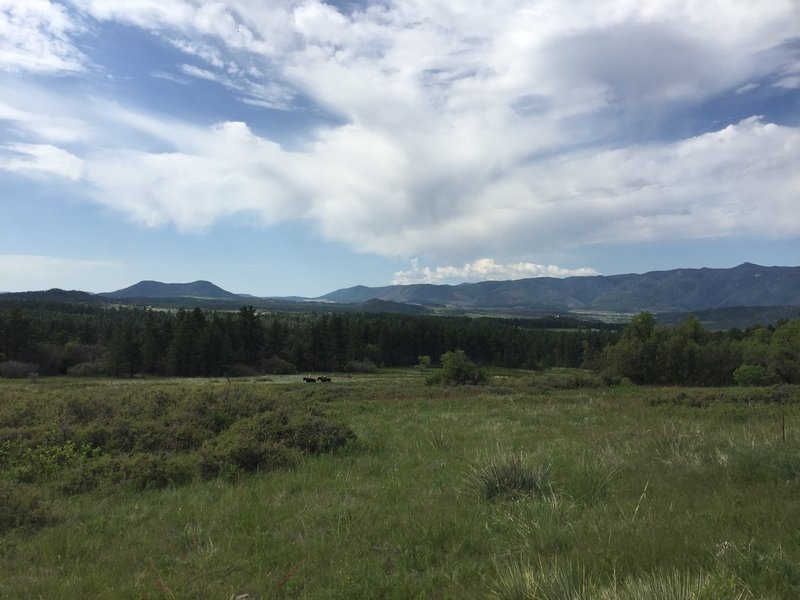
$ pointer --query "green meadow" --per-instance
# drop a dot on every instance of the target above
(533, 485)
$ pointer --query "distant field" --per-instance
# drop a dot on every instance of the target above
(535, 485)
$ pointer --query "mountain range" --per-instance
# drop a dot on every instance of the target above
(739, 296)
(678, 290)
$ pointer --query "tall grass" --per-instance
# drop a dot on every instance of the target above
(508, 490)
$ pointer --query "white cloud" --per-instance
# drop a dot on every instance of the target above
(484, 269)
(26, 272)
(40, 159)
(36, 35)
(210, 175)
(464, 129)
(44, 127)
(393, 197)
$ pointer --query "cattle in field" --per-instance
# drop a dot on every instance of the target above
(324, 379)
(309, 380)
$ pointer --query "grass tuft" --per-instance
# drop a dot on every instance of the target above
(677, 585)
(558, 580)
(509, 474)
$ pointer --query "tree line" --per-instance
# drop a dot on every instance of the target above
(689, 355)
(128, 341)
(53, 338)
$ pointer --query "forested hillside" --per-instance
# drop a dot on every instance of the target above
(677, 290)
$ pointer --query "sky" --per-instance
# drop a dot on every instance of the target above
(290, 147)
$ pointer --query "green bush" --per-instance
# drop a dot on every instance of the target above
(753, 375)
(233, 454)
(151, 471)
(22, 506)
(458, 369)
(158, 436)
(278, 366)
(22, 462)
(557, 379)
(13, 369)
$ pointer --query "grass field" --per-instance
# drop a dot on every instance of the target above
(536, 485)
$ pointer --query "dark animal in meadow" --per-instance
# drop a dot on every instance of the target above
(309, 380)
(324, 379)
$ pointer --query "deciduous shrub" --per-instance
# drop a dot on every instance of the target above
(278, 366)
(13, 369)
(753, 375)
(22, 506)
(158, 436)
(457, 369)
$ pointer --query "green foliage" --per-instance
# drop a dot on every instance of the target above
(88, 340)
(162, 437)
(688, 355)
(458, 369)
(22, 505)
(784, 352)
(278, 366)
(144, 471)
(26, 463)
(14, 369)
(752, 375)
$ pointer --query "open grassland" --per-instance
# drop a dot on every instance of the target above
(542, 485)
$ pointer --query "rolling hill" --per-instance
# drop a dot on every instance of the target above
(678, 290)
(156, 289)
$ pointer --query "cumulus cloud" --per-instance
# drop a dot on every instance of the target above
(36, 272)
(369, 191)
(484, 269)
(186, 186)
(461, 129)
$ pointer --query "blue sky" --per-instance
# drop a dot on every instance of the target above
(296, 147)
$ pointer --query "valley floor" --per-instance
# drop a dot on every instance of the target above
(532, 483)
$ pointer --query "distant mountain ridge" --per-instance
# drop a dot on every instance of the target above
(677, 290)
(157, 289)
(722, 298)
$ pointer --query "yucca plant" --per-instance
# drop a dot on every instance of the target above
(677, 585)
(556, 580)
